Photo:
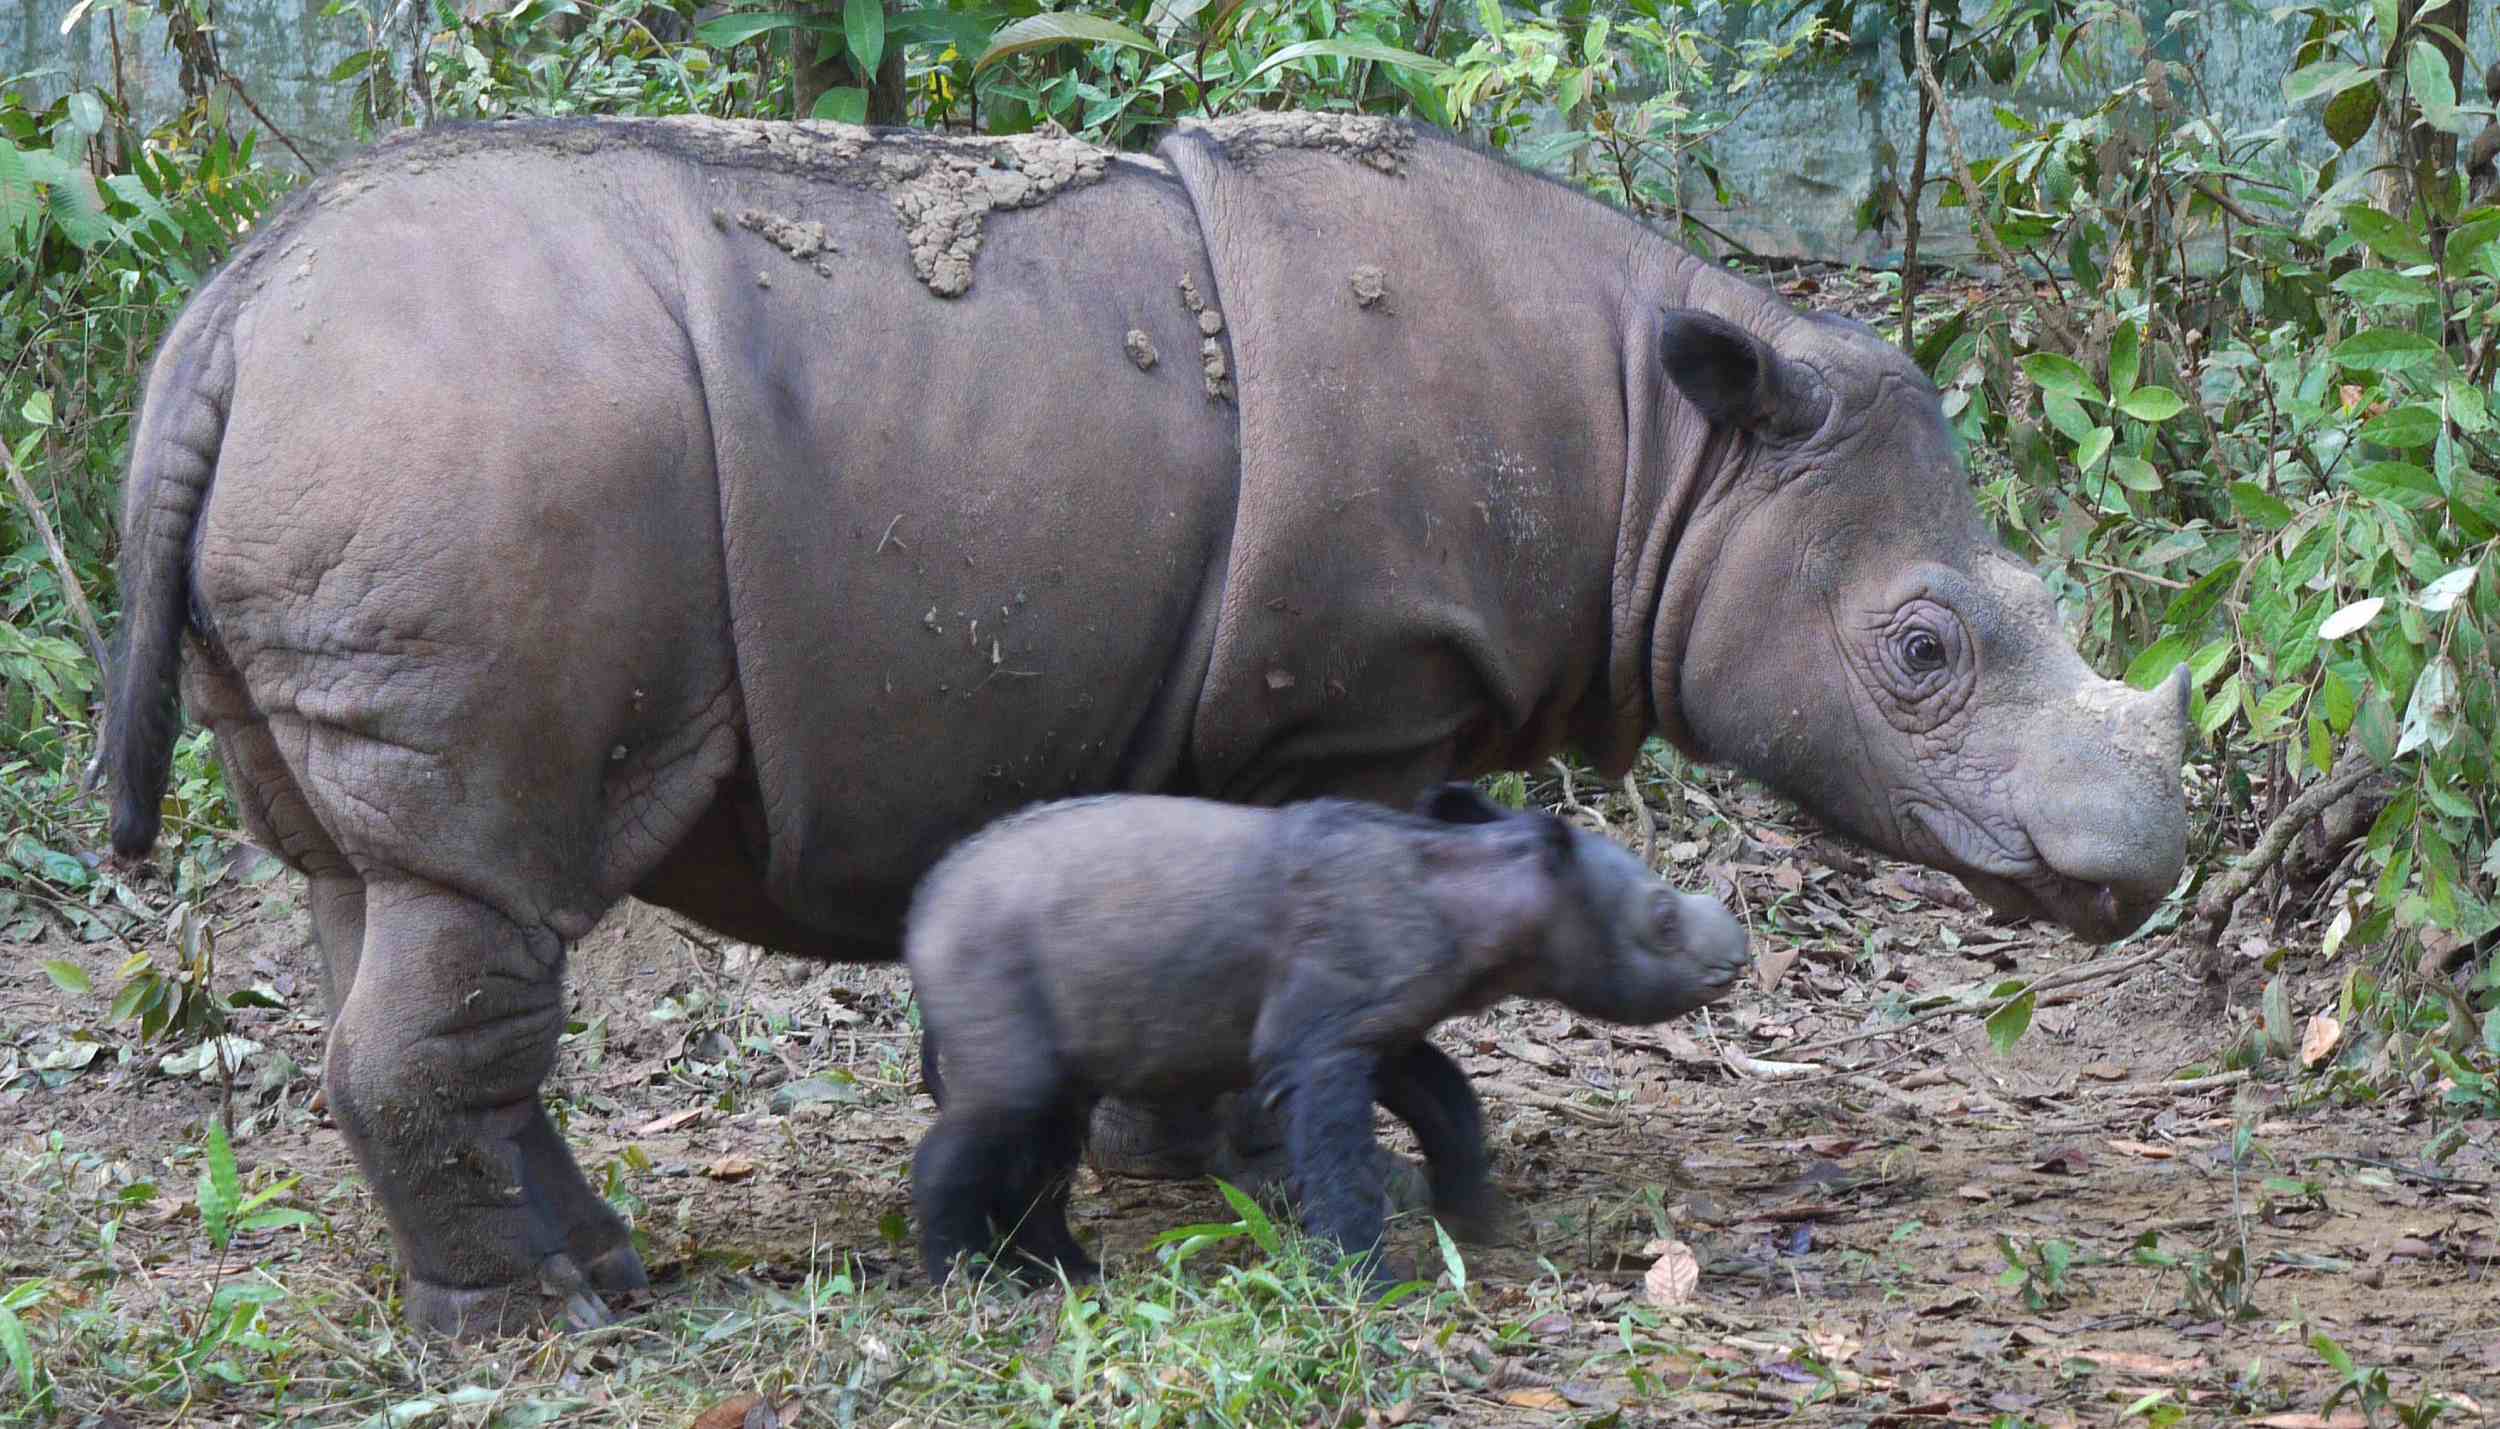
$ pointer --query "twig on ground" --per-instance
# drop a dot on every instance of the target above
(2185, 1084)
(1648, 821)
(2213, 906)
(2092, 972)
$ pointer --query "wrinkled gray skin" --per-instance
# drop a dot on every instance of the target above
(1169, 950)
(542, 529)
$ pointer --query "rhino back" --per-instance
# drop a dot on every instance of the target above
(575, 470)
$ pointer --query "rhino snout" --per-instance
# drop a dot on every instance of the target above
(1714, 942)
(2105, 812)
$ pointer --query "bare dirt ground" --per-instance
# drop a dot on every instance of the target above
(1850, 1222)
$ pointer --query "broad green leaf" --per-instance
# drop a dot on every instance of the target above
(2336, 691)
(2410, 426)
(1253, 1218)
(2431, 715)
(356, 64)
(2189, 606)
(2447, 590)
(2207, 662)
(738, 29)
(86, 112)
(2216, 711)
(2149, 668)
(1451, 1260)
(1489, 14)
(2151, 404)
(863, 27)
(38, 408)
(2433, 88)
(2125, 359)
(1042, 31)
(69, 977)
(2067, 415)
(2007, 1024)
(13, 1343)
(2385, 349)
(2350, 114)
(2400, 482)
(2390, 238)
(2134, 472)
(2381, 288)
(2351, 618)
(1345, 50)
(220, 1190)
(2053, 373)
(2324, 77)
(2092, 448)
(2257, 504)
(846, 104)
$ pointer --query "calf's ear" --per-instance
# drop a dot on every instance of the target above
(1456, 803)
(1556, 843)
(1737, 380)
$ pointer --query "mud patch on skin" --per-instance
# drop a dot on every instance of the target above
(1374, 142)
(803, 240)
(1211, 359)
(1371, 288)
(1140, 349)
(943, 190)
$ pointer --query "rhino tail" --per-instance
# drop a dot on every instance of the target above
(173, 461)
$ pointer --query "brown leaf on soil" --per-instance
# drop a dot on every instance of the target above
(2157, 1366)
(670, 1122)
(2145, 1149)
(733, 1167)
(745, 1411)
(1773, 963)
(2320, 1040)
(2065, 1161)
(2341, 1419)
(1535, 1399)
(1973, 1191)
(1673, 1276)
(1535, 1054)
(2105, 1071)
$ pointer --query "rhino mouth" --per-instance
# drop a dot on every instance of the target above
(2097, 912)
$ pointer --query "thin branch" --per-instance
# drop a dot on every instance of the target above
(269, 124)
(75, 593)
(2213, 906)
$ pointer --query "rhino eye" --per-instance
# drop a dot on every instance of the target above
(1921, 647)
(1922, 652)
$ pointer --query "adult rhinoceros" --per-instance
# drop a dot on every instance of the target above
(734, 515)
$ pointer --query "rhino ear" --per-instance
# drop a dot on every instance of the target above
(1737, 380)
(1456, 803)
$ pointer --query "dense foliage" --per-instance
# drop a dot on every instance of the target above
(2239, 411)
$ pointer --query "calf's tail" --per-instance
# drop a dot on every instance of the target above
(173, 460)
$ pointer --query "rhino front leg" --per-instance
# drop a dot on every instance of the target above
(434, 1069)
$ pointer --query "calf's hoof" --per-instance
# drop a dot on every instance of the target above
(563, 1296)
(1482, 1218)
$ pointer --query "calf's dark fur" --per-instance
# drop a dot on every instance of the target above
(1165, 950)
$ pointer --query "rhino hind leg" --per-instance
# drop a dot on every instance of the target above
(434, 1068)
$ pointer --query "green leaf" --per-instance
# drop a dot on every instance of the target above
(2053, 373)
(2134, 472)
(86, 112)
(69, 977)
(2411, 426)
(2350, 114)
(1489, 14)
(220, 1190)
(38, 408)
(2067, 415)
(2007, 1024)
(1042, 31)
(2208, 661)
(863, 25)
(1253, 1219)
(2255, 503)
(2092, 448)
(2151, 404)
(2399, 482)
(2385, 349)
(1344, 50)
(2390, 238)
(2381, 288)
(1451, 1261)
(738, 29)
(21, 1354)
(2324, 77)
(2149, 668)
(356, 64)
(2125, 358)
(2189, 606)
(846, 104)
(2426, 69)
(2217, 709)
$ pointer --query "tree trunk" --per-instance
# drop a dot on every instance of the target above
(2417, 157)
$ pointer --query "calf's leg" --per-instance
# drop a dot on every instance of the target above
(1336, 1161)
(1422, 1087)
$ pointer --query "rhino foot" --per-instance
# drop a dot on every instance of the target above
(563, 1296)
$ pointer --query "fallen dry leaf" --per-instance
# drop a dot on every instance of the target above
(745, 1411)
(1535, 1399)
(670, 1122)
(2341, 1419)
(1673, 1276)
(2145, 1149)
(2065, 1161)
(2155, 1365)
(1973, 1191)
(732, 1167)
(2105, 1071)
(2319, 1041)
(1773, 963)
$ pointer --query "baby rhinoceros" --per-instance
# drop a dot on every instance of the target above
(1163, 950)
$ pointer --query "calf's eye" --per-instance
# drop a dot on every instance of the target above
(1922, 652)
